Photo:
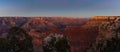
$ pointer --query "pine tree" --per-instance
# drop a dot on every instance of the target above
(3, 45)
(56, 43)
(19, 41)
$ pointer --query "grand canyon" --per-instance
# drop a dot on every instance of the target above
(81, 32)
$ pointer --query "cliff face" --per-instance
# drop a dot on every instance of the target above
(108, 39)
(94, 22)
(108, 25)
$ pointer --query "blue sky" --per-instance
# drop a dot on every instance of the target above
(75, 8)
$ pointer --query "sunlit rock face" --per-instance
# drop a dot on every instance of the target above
(56, 43)
(108, 39)
(110, 28)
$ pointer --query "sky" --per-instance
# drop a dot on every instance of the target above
(74, 8)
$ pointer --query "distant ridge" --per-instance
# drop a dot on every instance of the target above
(105, 17)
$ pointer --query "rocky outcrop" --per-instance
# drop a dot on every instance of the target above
(108, 39)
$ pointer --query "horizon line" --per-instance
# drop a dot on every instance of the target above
(47, 16)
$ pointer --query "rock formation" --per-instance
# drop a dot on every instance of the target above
(108, 39)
